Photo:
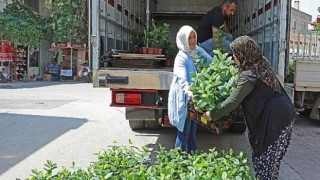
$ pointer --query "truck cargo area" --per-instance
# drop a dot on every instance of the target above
(135, 79)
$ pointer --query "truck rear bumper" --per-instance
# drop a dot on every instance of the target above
(131, 79)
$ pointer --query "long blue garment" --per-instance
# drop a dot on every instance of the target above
(180, 93)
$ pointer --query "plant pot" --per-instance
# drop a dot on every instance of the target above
(193, 115)
(136, 50)
(150, 50)
(169, 63)
(156, 50)
(144, 50)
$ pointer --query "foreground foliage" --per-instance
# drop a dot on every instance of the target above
(129, 162)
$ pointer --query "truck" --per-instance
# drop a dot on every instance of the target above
(143, 91)
(306, 83)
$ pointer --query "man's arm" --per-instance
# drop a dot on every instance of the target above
(225, 27)
(214, 30)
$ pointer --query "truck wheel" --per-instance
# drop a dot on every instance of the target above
(136, 124)
(154, 124)
(239, 125)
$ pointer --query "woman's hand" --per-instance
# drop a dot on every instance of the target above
(207, 115)
(194, 104)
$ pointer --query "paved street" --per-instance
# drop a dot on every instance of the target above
(70, 121)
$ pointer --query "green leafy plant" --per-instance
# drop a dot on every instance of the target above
(292, 69)
(130, 162)
(122, 162)
(220, 38)
(176, 164)
(213, 83)
(170, 50)
(138, 39)
(22, 25)
(157, 35)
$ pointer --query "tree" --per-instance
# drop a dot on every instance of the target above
(68, 20)
(316, 25)
(22, 25)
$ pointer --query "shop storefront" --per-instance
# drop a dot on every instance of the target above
(18, 63)
(67, 61)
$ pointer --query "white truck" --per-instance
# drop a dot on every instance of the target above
(144, 92)
(306, 84)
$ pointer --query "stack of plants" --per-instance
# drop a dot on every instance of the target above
(129, 162)
(213, 83)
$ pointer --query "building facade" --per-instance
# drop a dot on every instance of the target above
(299, 32)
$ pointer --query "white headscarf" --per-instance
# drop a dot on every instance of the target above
(182, 40)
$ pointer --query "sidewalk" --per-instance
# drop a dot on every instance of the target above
(33, 84)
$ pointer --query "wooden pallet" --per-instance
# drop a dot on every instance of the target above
(130, 60)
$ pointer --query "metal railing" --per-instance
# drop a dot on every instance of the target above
(305, 45)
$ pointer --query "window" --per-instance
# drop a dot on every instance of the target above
(304, 26)
(294, 24)
(32, 4)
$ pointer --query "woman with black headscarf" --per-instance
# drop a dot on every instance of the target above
(268, 110)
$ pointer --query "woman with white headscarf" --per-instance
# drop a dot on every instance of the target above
(180, 93)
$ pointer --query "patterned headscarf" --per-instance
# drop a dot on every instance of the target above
(253, 63)
(182, 40)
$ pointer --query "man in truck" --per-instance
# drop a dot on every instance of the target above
(210, 23)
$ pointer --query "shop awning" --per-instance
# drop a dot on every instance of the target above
(73, 45)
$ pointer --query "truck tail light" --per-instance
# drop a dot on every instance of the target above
(128, 98)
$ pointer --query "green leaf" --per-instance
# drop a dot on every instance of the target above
(224, 175)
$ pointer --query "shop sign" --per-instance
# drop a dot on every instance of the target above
(68, 45)
(59, 45)
(78, 45)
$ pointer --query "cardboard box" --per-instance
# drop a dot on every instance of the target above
(46, 77)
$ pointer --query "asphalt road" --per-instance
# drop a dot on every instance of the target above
(68, 122)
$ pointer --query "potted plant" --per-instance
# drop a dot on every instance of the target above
(137, 40)
(170, 52)
(162, 37)
(145, 42)
(158, 36)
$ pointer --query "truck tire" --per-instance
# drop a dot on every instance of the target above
(154, 124)
(136, 124)
(238, 125)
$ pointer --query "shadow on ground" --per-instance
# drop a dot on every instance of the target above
(30, 134)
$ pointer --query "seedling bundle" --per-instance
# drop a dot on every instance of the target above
(211, 85)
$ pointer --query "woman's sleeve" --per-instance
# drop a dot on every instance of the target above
(180, 70)
(244, 87)
(205, 54)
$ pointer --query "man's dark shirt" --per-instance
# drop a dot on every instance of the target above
(213, 18)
